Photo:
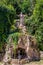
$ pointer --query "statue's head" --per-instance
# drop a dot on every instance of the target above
(21, 14)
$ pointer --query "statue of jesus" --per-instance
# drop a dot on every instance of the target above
(21, 19)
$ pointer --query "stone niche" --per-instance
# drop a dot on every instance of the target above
(20, 53)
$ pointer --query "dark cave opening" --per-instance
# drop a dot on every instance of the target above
(20, 53)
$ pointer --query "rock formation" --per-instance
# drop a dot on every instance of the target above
(26, 48)
(27, 45)
(9, 51)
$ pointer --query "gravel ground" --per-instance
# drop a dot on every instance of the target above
(35, 63)
(30, 63)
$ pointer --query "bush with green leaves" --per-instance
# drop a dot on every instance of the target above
(7, 13)
(35, 23)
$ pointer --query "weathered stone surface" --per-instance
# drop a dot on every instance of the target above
(15, 62)
(41, 55)
(29, 45)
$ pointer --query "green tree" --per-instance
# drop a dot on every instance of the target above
(7, 14)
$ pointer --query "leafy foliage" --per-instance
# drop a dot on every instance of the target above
(35, 23)
(9, 9)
